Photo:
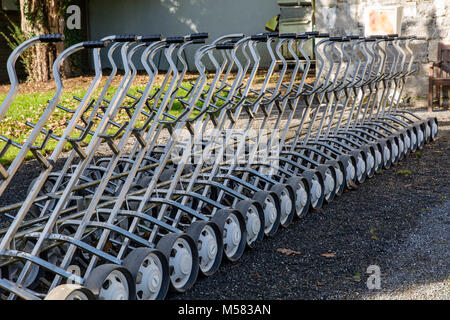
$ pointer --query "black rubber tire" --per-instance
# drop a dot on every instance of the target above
(195, 230)
(338, 164)
(295, 182)
(387, 161)
(165, 245)
(220, 218)
(261, 197)
(279, 189)
(309, 175)
(323, 169)
(63, 291)
(99, 274)
(243, 207)
(133, 262)
(357, 153)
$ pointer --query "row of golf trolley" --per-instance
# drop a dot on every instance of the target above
(166, 182)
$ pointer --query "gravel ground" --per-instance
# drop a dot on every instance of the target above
(398, 222)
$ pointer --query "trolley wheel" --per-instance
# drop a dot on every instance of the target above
(386, 153)
(349, 163)
(316, 187)
(434, 128)
(181, 251)
(270, 203)
(330, 182)
(13, 270)
(395, 149)
(167, 175)
(35, 210)
(111, 282)
(287, 203)
(401, 144)
(232, 225)
(420, 135)
(209, 245)
(370, 159)
(254, 220)
(70, 292)
(407, 141)
(302, 195)
(339, 168)
(360, 157)
(150, 271)
(413, 136)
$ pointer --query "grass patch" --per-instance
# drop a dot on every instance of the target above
(30, 108)
(405, 172)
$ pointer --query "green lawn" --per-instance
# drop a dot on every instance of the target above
(29, 107)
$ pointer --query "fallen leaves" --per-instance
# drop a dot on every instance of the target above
(288, 252)
(328, 255)
(257, 276)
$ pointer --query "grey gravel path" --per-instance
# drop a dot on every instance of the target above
(396, 221)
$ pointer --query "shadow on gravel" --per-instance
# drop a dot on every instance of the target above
(396, 221)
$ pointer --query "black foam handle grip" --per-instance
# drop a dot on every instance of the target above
(302, 36)
(336, 38)
(125, 38)
(345, 39)
(368, 39)
(151, 38)
(404, 38)
(57, 37)
(288, 35)
(379, 36)
(393, 35)
(175, 39)
(238, 36)
(200, 35)
(272, 34)
(259, 37)
(353, 37)
(323, 35)
(224, 46)
(198, 41)
(95, 44)
(312, 33)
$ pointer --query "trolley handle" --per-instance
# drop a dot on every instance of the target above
(287, 35)
(125, 38)
(323, 35)
(175, 39)
(151, 38)
(199, 41)
(259, 37)
(338, 39)
(312, 33)
(225, 46)
(94, 44)
(51, 37)
(200, 35)
(302, 36)
(272, 34)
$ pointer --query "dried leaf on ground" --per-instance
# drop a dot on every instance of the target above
(288, 252)
(328, 255)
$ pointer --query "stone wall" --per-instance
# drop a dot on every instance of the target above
(422, 18)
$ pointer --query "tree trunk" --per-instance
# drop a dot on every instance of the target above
(45, 17)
